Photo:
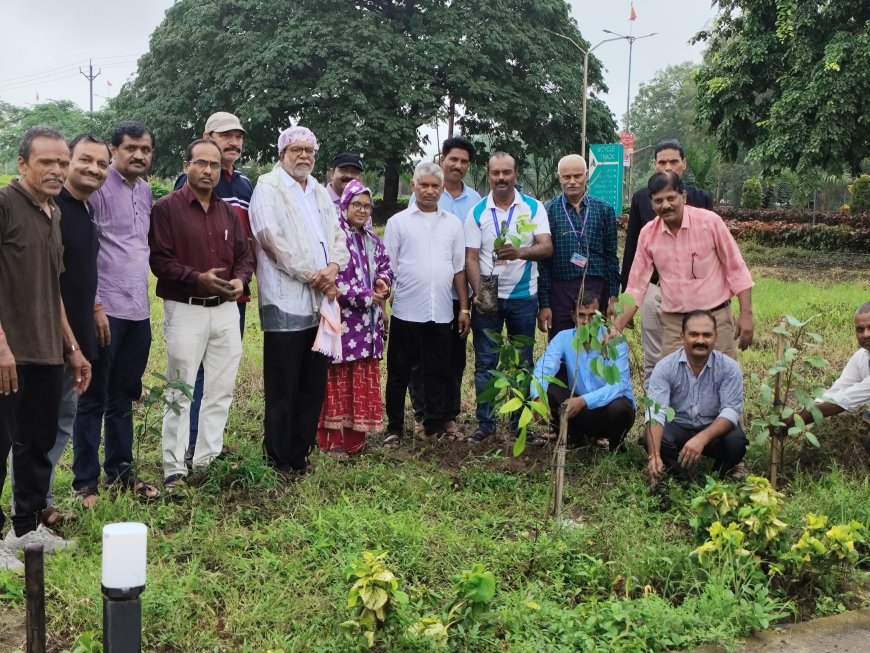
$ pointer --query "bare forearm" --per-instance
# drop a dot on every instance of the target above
(655, 431)
(744, 298)
(461, 286)
(69, 340)
(538, 251)
(472, 269)
(717, 429)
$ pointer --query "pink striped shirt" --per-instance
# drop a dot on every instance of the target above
(699, 268)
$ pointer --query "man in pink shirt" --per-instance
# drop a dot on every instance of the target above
(700, 268)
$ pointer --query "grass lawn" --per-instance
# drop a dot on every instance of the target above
(244, 563)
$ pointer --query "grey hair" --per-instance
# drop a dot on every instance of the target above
(863, 308)
(428, 168)
(37, 131)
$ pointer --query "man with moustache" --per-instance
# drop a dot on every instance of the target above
(122, 312)
(300, 250)
(346, 167)
(583, 228)
(704, 387)
(202, 259)
(35, 338)
(669, 157)
(226, 130)
(699, 266)
(503, 213)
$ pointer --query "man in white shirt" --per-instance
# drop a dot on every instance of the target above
(300, 250)
(522, 229)
(427, 252)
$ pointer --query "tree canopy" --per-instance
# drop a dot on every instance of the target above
(790, 81)
(366, 75)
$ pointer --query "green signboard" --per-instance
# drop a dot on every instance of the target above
(605, 174)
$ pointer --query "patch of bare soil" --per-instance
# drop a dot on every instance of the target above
(13, 631)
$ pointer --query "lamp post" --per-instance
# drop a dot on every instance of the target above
(125, 548)
(631, 39)
(585, 78)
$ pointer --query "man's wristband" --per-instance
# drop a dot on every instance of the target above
(465, 310)
(70, 349)
(653, 455)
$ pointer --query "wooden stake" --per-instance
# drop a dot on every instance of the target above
(559, 463)
(777, 439)
(34, 586)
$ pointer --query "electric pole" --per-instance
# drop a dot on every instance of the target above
(91, 77)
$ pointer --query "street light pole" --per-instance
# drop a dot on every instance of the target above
(631, 39)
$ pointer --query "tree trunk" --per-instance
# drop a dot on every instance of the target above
(777, 437)
(391, 186)
(451, 116)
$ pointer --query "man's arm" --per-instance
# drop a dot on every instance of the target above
(460, 284)
(164, 263)
(745, 324)
(549, 363)
(692, 450)
(263, 215)
(243, 256)
(472, 269)
(739, 278)
(80, 368)
(8, 372)
(638, 281)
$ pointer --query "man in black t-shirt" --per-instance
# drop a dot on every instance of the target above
(669, 157)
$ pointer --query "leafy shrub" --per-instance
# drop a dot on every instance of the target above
(378, 216)
(860, 190)
(855, 220)
(821, 237)
(5, 179)
(160, 187)
(750, 196)
(374, 594)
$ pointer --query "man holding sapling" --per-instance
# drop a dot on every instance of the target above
(703, 390)
(506, 234)
(596, 408)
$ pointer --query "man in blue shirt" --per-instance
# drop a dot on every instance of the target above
(704, 387)
(596, 409)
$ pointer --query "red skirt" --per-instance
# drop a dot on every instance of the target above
(353, 397)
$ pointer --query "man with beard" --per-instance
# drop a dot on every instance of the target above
(226, 131)
(699, 266)
(345, 168)
(704, 388)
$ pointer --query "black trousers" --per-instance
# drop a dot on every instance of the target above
(28, 426)
(726, 451)
(294, 384)
(457, 371)
(611, 421)
(425, 345)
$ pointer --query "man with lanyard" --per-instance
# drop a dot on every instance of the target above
(346, 167)
(226, 131)
(669, 157)
(457, 198)
(584, 250)
(504, 214)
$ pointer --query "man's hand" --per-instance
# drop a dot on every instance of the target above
(101, 326)
(212, 284)
(325, 278)
(382, 288)
(575, 405)
(655, 468)
(80, 369)
(236, 289)
(744, 330)
(545, 320)
(463, 324)
(508, 253)
(691, 452)
(611, 310)
(8, 373)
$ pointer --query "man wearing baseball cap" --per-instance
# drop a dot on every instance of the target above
(345, 167)
(226, 130)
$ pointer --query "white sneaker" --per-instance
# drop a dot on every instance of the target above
(8, 559)
(43, 535)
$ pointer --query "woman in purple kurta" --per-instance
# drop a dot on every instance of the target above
(352, 406)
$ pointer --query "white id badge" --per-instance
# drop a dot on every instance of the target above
(579, 260)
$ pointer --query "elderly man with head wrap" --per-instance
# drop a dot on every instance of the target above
(352, 406)
(300, 251)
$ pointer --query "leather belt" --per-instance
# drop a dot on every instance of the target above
(727, 302)
(207, 302)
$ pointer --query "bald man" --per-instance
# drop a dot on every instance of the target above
(584, 250)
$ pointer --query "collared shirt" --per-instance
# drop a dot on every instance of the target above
(335, 197)
(516, 279)
(697, 401)
(307, 202)
(122, 214)
(852, 390)
(31, 260)
(590, 232)
(459, 206)
(642, 212)
(699, 268)
(186, 241)
(595, 390)
(426, 251)
(78, 282)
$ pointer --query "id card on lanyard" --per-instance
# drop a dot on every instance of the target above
(577, 258)
(498, 230)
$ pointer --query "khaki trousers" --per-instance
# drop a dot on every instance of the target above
(651, 330)
(672, 326)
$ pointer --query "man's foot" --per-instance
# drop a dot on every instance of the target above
(141, 488)
(479, 436)
(290, 475)
(43, 535)
(339, 454)
(419, 429)
(392, 440)
(8, 559)
(453, 432)
(739, 473)
(174, 482)
(87, 496)
(51, 517)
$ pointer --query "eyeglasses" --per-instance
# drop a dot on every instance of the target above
(361, 208)
(296, 150)
(202, 165)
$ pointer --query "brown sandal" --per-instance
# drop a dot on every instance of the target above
(52, 517)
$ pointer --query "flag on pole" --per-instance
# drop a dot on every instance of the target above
(37, 95)
(632, 15)
(108, 82)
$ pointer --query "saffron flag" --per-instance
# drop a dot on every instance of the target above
(632, 15)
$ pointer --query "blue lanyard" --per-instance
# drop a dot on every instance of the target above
(507, 224)
(571, 222)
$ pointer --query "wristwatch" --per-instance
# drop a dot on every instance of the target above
(465, 310)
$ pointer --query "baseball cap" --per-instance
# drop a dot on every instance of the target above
(223, 122)
(348, 159)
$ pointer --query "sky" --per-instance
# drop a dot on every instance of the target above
(46, 62)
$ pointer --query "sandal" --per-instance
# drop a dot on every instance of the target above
(174, 482)
(392, 440)
(87, 496)
(479, 436)
(339, 454)
(454, 433)
(141, 488)
(604, 443)
(52, 517)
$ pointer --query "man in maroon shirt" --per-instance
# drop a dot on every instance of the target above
(202, 260)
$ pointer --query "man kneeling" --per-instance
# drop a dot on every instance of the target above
(704, 388)
(600, 410)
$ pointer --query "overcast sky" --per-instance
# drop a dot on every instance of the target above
(45, 60)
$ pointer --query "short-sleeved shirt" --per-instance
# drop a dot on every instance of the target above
(516, 279)
(31, 260)
(78, 283)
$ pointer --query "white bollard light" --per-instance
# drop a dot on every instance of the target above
(125, 554)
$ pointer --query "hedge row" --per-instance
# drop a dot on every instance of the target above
(858, 221)
(821, 237)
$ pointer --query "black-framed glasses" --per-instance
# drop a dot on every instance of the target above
(360, 207)
(200, 164)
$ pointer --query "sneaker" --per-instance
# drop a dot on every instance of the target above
(43, 535)
(8, 559)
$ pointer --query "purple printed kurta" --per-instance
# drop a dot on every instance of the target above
(362, 321)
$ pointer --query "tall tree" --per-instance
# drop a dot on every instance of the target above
(790, 80)
(365, 75)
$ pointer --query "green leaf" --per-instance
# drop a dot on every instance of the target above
(520, 444)
(525, 417)
(510, 406)
(811, 438)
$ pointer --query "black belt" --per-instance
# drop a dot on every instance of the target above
(727, 302)
(207, 302)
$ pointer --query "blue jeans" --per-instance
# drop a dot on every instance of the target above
(116, 384)
(200, 385)
(519, 315)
